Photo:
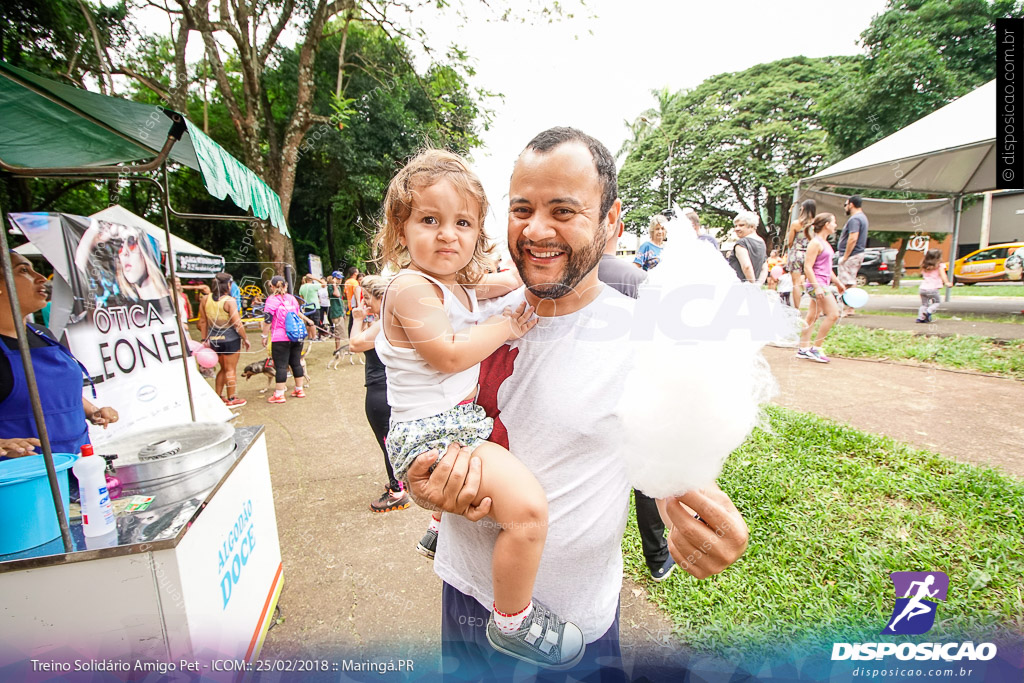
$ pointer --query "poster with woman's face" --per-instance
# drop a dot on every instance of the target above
(120, 265)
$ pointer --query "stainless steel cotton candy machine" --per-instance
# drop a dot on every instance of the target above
(172, 463)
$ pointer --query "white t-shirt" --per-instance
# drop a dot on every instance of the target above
(415, 389)
(785, 284)
(558, 407)
(325, 300)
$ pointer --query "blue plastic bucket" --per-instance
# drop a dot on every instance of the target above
(25, 497)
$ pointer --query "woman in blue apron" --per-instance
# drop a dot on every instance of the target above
(58, 375)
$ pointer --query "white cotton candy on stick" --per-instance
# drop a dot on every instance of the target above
(699, 380)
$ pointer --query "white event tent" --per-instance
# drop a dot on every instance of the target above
(951, 151)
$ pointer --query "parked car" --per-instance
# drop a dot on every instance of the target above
(878, 268)
(985, 265)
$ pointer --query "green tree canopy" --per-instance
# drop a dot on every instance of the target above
(737, 140)
(918, 56)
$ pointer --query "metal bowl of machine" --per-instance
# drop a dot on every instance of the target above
(172, 463)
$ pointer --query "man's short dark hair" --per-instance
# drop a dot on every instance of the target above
(352, 270)
(603, 159)
(856, 200)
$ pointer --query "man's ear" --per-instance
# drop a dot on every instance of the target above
(613, 216)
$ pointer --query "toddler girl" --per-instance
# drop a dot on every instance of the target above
(432, 342)
(934, 276)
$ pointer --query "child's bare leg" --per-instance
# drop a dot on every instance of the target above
(520, 507)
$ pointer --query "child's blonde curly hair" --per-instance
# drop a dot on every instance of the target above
(422, 171)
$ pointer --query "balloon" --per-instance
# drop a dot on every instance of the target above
(855, 297)
(776, 272)
(206, 357)
(193, 345)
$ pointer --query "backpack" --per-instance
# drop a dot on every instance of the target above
(294, 327)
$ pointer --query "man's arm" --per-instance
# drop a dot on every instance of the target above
(707, 545)
(743, 257)
(851, 242)
(452, 486)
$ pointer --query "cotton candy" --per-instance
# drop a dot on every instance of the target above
(698, 380)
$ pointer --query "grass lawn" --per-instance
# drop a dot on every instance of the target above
(970, 317)
(960, 352)
(832, 511)
(911, 287)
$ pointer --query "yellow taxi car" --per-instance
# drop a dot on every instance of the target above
(985, 265)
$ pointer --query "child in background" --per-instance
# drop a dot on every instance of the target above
(934, 276)
(785, 287)
(432, 342)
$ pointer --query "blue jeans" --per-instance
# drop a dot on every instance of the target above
(467, 656)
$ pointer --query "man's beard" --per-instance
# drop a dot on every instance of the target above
(846, 209)
(578, 264)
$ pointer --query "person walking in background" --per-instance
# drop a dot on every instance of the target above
(236, 294)
(797, 239)
(649, 254)
(186, 309)
(785, 287)
(221, 329)
(933, 273)
(284, 349)
(336, 306)
(309, 292)
(351, 285)
(852, 243)
(378, 413)
(749, 255)
(324, 299)
(701, 233)
(818, 271)
(619, 275)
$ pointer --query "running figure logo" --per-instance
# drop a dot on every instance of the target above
(914, 613)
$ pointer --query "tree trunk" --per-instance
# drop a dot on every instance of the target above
(901, 252)
(332, 253)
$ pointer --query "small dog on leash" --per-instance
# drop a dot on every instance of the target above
(263, 367)
(340, 354)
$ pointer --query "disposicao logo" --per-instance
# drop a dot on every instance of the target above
(914, 614)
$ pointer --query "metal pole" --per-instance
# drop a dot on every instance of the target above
(671, 144)
(30, 380)
(174, 291)
(957, 210)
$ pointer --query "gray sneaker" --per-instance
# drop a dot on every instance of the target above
(544, 639)
(428, 544)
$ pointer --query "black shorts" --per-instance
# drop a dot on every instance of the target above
(226, 347)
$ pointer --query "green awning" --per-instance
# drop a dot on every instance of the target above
(45, 124)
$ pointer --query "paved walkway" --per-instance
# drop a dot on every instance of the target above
(968, 417)
(942, 327)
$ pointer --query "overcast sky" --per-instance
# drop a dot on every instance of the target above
(595, 73)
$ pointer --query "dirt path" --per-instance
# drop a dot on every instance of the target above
(968, 417)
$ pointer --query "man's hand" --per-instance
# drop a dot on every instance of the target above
(16, 448)
(707, 545)
(453, 485)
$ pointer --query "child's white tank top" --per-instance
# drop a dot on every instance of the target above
(415, 389)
